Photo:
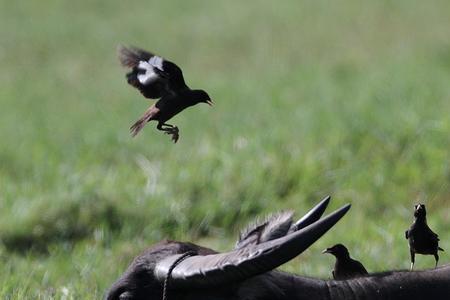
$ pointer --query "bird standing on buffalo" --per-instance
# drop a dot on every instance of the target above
(422, 240)
(158, 78)
(345, 267)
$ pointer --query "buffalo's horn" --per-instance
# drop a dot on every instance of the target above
(311, 216)
(222, 268)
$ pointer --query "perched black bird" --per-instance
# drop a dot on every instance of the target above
(158, 78)
(345, 267)
(422, 240)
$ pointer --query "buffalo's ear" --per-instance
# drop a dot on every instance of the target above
(278, 225)
(273, 227)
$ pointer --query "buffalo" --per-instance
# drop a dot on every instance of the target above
(185, 271)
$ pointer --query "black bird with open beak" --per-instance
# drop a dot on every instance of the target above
(345, 267)
(422, 240)
(158, 78)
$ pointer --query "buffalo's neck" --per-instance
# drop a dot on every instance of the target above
(430, 284)
(281, 286)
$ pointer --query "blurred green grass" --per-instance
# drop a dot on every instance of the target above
(346, 98)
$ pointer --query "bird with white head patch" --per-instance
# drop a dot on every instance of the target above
(422, 240)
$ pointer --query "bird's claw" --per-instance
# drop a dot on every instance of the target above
(175, 137)
(174, 132)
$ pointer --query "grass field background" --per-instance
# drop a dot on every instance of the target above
(313, 98)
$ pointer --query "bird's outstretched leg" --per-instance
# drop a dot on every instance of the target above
(169, 129)
(436, 257)
(412, 259)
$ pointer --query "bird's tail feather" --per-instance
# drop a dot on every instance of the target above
(136, 127)
(441, 249)
(130, 56)
(149, 115)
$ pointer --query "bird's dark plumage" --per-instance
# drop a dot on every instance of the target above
(345, 267)
(422, 240)
(158, 78)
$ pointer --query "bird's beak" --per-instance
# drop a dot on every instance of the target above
(210, 102)
(326, 251)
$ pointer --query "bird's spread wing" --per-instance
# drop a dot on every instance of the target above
(152, 75)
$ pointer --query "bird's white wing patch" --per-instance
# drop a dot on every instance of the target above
(156, 62)
(149, 74)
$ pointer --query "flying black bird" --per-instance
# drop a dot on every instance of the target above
(158, 78)
(345, 267)
(422, 240)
